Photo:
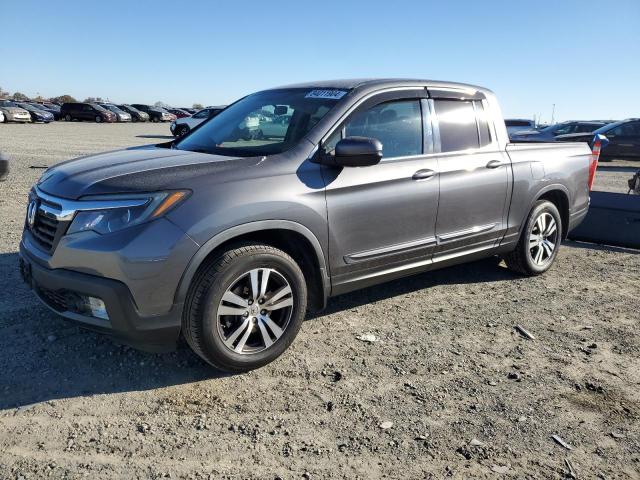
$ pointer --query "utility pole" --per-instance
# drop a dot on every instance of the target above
(553, 113)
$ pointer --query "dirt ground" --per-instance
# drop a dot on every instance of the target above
(448, 388)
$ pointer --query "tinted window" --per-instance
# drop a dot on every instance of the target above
(201, 114)
(458, 128)
(518, 123)
(627, 130)
(398, 125)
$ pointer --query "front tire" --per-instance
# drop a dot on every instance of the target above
(98, 119)
(540, 241)
(245, 307)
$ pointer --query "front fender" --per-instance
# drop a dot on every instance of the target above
(243, 229)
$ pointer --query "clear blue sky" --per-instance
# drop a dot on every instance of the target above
(581, 55)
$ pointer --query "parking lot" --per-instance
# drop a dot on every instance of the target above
(443, 387)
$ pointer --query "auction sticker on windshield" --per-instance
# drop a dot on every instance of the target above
(331, 94)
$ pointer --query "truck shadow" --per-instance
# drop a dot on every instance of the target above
(43, 357)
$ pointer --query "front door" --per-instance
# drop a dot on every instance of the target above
(474, 179)
(383, 216)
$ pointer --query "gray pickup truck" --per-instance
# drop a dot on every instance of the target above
(228, 235)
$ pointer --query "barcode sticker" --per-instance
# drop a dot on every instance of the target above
(330, 94)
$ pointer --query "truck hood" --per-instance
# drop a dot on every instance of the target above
(138, 169)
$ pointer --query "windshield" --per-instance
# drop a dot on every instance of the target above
(265, 123)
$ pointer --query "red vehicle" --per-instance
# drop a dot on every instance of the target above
(178, 112)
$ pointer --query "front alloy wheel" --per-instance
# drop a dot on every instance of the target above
(245, 307)
(255, 311)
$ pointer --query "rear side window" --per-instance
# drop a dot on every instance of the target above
(397, 124)
(457, 122)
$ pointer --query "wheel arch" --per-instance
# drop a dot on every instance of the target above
(291, 237)
(559, 196)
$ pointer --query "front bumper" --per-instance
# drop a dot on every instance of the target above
(58, 288)
(18, 117)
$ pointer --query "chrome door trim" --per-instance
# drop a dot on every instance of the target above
(466, 232)
(380, 252)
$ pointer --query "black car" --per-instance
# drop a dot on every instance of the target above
(623, 136)
(86, 111)
(49, 107)
(136, 115)
(156, 114)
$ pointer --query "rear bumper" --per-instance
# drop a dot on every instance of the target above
(57, 289)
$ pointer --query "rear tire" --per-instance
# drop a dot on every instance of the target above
(539, 242)
(98, 119)
(265, 293)
(68, 118)
(134, 119)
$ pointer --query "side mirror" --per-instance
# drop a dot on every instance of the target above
(355, 152)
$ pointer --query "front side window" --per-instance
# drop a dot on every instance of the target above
(265, 123)
(397, 124)
(457, 122)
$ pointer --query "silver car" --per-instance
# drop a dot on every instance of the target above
(121, 115)
(14, 114)
(182, 126)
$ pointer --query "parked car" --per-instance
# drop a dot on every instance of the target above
(179, 113)
(86, 111)
(121, 115)
(190, 110)
(51, 108)
(623, 137)
(550, 133)
(37, 114)
(227, 240)
(136, 115)
(182, 126)
(518, 124)
(156, 114)
(13, 113)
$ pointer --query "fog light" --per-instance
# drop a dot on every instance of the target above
(95, 307)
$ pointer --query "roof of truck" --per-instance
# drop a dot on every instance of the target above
(349, 84)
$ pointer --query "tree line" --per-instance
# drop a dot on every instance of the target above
(21, 97)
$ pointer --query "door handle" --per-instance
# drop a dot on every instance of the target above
(496, 164)
(423, 174)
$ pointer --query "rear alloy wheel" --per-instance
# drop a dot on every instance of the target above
(245, 307)
(67, 118)
(98, 119)
(539, 242)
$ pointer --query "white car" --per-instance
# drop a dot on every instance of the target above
(12, 113)
(182, 126)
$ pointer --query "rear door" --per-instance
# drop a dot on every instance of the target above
(474, 177)
(382, 217)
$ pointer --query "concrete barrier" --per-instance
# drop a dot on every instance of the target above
(613, 219)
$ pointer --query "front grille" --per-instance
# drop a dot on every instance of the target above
(44, 230)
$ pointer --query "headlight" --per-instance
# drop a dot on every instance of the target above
(109, 220)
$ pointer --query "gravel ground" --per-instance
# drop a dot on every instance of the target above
(447, 387)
